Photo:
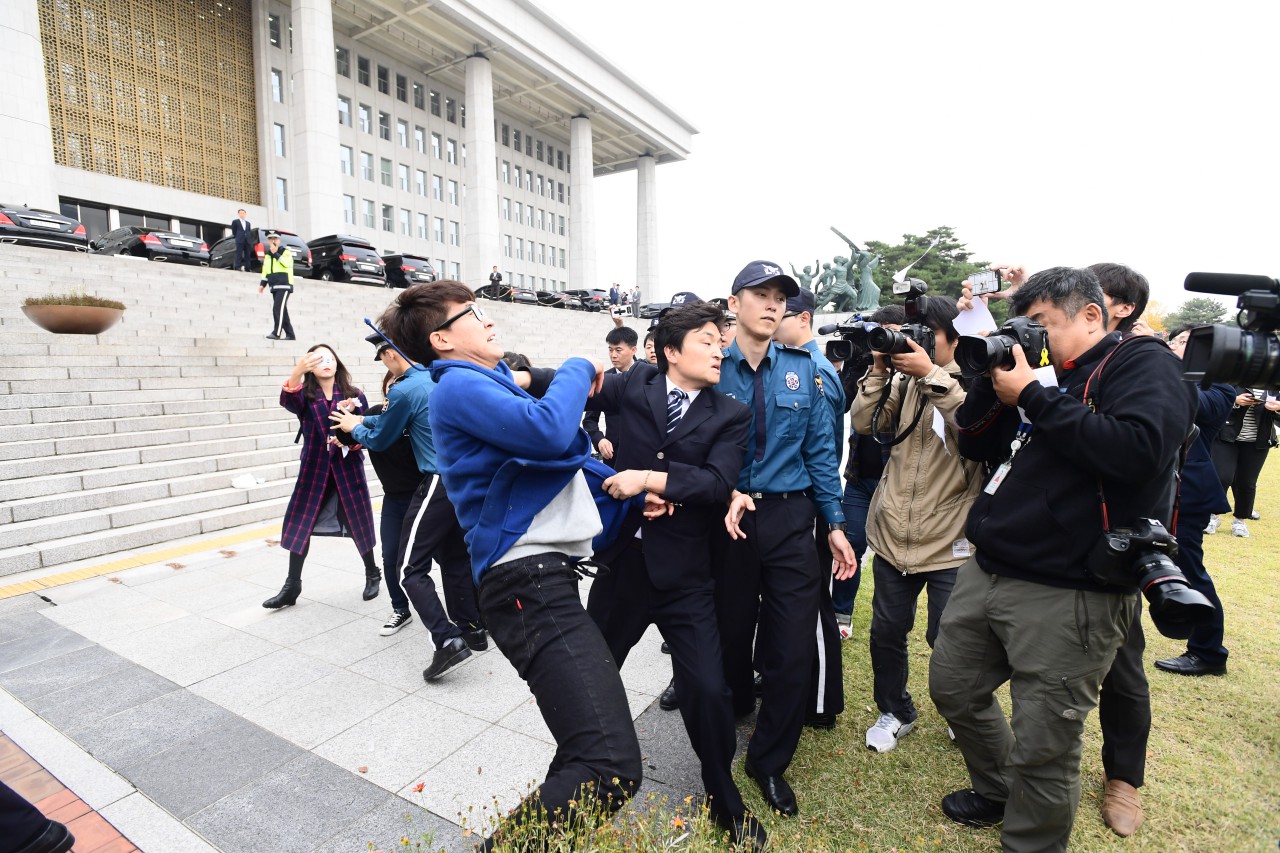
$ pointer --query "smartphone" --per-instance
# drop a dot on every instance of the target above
(326, 361)
(985, 281)
(618, 311)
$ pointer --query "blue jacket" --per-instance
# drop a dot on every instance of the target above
(504, 455)
(1202, 491)
(407, 406)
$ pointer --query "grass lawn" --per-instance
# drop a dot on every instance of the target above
(1212, 781)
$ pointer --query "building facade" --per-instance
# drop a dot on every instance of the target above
(468, 133)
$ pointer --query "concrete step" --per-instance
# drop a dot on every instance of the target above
(123, 440)
(92, 461)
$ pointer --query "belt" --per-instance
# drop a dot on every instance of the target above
(778, 496)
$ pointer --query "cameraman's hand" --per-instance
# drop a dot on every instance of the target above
(844, 560)
(877, 363)
(1009, 382)
(739, 504)
(915, 363)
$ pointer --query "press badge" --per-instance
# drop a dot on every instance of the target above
(1023, 436)
(997, 478)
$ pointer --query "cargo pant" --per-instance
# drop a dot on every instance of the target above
(1053, 646)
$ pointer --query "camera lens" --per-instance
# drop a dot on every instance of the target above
(886, 341)
(1175, 607)
(1235, 356)
(976, 354)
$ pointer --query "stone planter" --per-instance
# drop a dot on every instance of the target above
(73, 319)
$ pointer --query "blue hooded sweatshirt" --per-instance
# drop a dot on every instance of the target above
(504, 455)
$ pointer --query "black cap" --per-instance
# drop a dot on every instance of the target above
(757, 273)
(684, 297)
(380, 345)
(801, 302)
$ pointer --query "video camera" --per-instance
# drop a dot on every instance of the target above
(887, 341)
(852, 343)
(979, 354)
(1247, 356)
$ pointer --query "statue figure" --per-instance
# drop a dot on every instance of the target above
(834, 286)
(865, 262)
(805, 278)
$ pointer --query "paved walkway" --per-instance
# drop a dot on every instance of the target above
(158, 690)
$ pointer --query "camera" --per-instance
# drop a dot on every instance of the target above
(852, 343)
(887, 342)
(1141, 556)
(985, 281)
(979, 354)
(1249, 355)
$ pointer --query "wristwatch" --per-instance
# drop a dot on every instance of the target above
(842, 526)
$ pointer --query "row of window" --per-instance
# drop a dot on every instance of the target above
(525, 214)
(364, 122)
(526, 179)
(542, 251)
(549, 154)
(452, 111)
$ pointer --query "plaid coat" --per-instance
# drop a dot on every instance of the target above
(319, 459)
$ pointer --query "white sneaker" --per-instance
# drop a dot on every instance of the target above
(399, 618)
(1238, 529)
(844, 624)
(884, 735)
(1214, 524)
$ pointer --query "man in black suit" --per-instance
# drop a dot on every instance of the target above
(682, 440)
(244, 241)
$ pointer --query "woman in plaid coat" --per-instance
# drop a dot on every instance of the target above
(331, 497)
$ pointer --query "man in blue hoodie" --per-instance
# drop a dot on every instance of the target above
(528, 493)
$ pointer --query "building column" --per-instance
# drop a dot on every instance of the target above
(647, 227)
(582, 207)
(480, 239)
(315, 202)
(24, 111)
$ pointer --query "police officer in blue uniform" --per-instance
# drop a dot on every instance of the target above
(769, 563)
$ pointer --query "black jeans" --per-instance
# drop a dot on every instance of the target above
(1239, 464)
(1124, 709)
(280, 314)
(532, 610)
(431, 532)
(391, 522)
(893, 615)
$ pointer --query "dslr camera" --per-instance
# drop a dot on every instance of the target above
(887, 341)
(1249, 355)
(979, 354)
(1141, 556)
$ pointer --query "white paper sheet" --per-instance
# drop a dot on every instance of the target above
(975, 320)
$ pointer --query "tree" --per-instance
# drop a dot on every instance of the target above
(1197, 311)
(943, 269)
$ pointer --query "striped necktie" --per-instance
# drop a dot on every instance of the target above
(675, 402)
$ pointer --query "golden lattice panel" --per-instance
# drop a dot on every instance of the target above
(155, 92)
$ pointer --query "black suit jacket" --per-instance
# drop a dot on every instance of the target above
(591, 422)
(241, 234)
(702, 458)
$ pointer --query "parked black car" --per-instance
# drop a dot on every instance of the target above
(559, 299)
(404, 270)
(32, 227)
(502, 293)
(341, 257)
(153, 244)
(223, 253)
(594, 299)
(650, 310)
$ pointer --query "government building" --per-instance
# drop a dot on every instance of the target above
(470, 133)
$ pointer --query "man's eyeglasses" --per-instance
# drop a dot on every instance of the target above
(470, 309)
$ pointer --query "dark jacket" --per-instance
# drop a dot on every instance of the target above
(591, 421)
(242, 235)
(1266, 423)
(1045, 516)
(396, 467)
(702, 458)
(1202, 491)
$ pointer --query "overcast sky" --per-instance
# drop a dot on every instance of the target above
(1143, 133)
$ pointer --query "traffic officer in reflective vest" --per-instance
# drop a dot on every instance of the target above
(769, 562)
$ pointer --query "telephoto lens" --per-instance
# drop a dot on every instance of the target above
(1175, 607)
(979, 354)
(886, 341)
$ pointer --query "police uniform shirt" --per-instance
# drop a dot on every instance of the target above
(832, 390)
(795, 447)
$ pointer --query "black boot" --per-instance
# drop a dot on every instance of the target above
(372, 577)
(288, 594)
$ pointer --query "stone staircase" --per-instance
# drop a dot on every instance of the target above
(131, 438)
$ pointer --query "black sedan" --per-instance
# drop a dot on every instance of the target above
(502, 293)
(404, 270)
(223, 253)
(33, 227)
(153, 244)
(557, 299)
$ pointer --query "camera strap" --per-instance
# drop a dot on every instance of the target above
(879, 409)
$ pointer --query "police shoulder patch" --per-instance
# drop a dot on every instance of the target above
(798, 350)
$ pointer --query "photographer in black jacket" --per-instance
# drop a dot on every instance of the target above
(1027, 609)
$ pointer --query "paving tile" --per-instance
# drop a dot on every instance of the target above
(22, 625)
(190, 649)
(21, 604)
(487, 687)
(34, 784)
(197, 772)
(309, 800)
(297, 624)
(311, 714)
(17, 764)
(402, 741)
(647, 670)
(527, 720)
(150, 728)
(496, 765)
(181, 588)
(402, 664)
(210, 596)
(34, 648)
(69, 812)
(151, 828)
(69, 670)
(393, 819)
(83, 705)
(128, 620)
(12, 711)
(90, 600)
(92, 831)
(119, 844)
(354, 641)
(96, 784)
(53, 802)
(262, 680)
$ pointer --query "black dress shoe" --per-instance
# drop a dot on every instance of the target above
(1189, 664)
(970, 808)
(820, 721)
(54, 838)
(476, 640)
(777, 793)
(448, 656)
(744, 830)
(668, 701)
(274, 337)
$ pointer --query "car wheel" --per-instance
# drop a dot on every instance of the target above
(326, 276)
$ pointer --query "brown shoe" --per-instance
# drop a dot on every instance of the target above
(1121, 808)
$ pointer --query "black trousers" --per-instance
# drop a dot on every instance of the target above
(775, 571)
(1124, 709)
(826, 676)
(20, 821)
(893, 615)
(280, 314)
(1205, 641)
(532, 610)
(244, 256)
(431, 532)
(1239, 464)
(687, 619)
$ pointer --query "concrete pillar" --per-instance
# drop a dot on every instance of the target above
(480, 239)
(647, 227)
(582, 207)
(25, 137)
(315, 197)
